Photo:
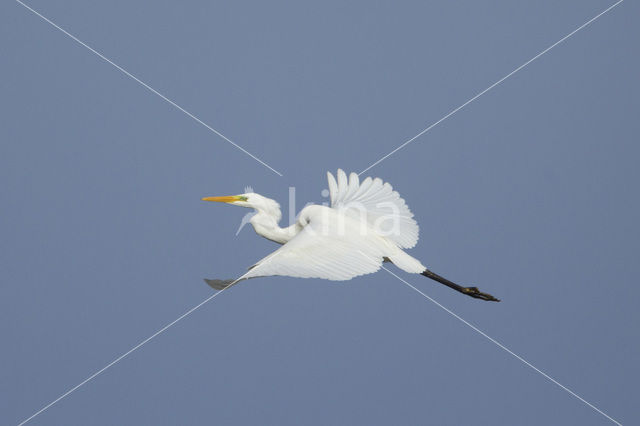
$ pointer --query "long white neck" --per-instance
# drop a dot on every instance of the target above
(265, 223)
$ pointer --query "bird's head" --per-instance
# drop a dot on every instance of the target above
(250, 200)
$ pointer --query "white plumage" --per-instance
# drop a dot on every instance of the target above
(367, 224)
(343, 241)
(381, 203)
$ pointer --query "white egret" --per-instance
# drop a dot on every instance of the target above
(368, 223)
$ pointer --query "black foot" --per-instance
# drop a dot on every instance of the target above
(477, 294)
(469, 291)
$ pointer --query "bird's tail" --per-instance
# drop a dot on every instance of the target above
(407, 263)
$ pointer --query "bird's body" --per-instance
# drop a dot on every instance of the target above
(367, 224)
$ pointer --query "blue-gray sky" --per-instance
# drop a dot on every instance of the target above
(529, 192)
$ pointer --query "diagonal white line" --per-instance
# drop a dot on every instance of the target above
(124, 355)
(151, 89)
(506, 349)
(492, 86)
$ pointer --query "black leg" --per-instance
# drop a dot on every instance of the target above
(469, 291)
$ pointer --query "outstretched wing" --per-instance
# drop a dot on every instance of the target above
(384, 208)
(318, 252)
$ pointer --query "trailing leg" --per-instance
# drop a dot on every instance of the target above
(469, 291)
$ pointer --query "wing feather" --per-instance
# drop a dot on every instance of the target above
(381, 203)
(364, 187)
(343, 185)
(319, 251)
(333, 188)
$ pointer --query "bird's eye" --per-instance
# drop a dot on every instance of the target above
(242, 198)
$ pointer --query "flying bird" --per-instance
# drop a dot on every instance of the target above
(367, 223)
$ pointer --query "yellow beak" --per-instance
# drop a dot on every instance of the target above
(225, 199)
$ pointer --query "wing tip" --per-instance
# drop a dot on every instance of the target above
(218, 284)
